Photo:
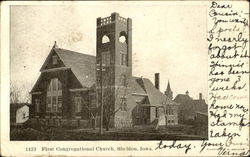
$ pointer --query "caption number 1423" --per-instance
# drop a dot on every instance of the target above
(30, 148)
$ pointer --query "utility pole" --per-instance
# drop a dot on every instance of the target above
(101, 111)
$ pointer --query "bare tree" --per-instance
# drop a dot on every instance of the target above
(110, 109)
(26, 96)
(93, 114)
(15, 93)
(19, 95)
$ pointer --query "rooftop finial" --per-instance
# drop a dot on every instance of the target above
(55, 45)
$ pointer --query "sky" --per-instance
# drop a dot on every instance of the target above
(166, 39)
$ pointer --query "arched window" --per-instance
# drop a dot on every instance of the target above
(123, 37)
(105, 39)
(37, 105)
(78, 103)
(54, 96)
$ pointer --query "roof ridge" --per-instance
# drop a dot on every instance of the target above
(78, 62)
(74, 52)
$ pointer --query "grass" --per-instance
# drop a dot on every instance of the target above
(65, 134)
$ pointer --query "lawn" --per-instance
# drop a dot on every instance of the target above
(138, 133)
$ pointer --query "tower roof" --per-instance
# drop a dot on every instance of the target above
(168, 87)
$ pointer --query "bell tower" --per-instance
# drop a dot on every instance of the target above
(113, 59)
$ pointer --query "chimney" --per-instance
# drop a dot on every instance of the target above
(187, 93)
(157, 80)
(200, 96)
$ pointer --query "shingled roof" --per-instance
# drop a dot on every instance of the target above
(82, 65)
(153, 97)
(188, 104)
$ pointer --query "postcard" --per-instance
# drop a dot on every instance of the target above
(125, 78)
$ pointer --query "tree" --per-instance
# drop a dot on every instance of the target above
(26, 98)
(109, 108)
(15, 93)
(93, 114)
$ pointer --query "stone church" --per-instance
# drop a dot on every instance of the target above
(72, 86)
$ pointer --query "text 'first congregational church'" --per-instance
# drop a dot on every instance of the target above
(68, 90)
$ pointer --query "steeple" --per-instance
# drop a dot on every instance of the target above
(169, 92)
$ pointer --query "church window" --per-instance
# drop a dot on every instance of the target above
(78, 104)
(54, 105)
(54, 96)
(55, 85)
(123, 58)
(49, 87)
(122, 39)
(48, 108)
(59, 99)
(54, 59)
(54, 81)
(37, 105)
(170, 111)
(105, 39)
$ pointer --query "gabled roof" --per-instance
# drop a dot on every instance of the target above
(153, 96)
(84, 68)
(82, 65)
(182, 98)
(35, 85)
(156, 96)
(188, 104)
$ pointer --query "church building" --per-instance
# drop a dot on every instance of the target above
(74, 88)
